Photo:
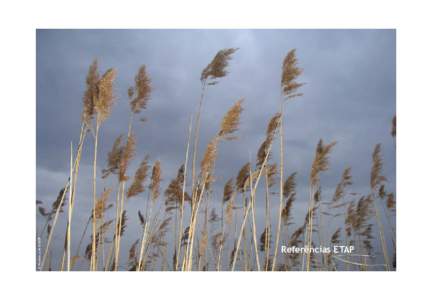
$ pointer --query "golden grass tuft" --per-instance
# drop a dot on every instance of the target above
(290, 184)
(230, 122)
(208, 161)
(272, 127)
(228, 190)
(321, 161)
(137, 185)
(375, 175)
(155, 180)
(242, 177)
(90, 93)
(143, 88)
(217, 67)
(345, 181)
(101, 204)
(104, 98)
(114, 157)
(290, 72)
(126, 155)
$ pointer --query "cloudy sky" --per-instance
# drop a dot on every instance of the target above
(349, 97)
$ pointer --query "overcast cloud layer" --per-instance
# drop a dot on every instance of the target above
(349, 97)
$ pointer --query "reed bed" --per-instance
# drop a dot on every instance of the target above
(182, 226)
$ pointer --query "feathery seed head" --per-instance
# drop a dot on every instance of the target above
(143, 88)
(155, 179)
(90, 93)
(376, 178)
(137, 186)
(228, 190)
(321, 161)
(207, 163)
(100, 206)
(290, 73)
(230, 122)
(242, 177)
(345, 181)
(127, 154)
(290, 184)
(104, 99)
(114, 157)
(217, 67)
(273, 124)
(271, 172)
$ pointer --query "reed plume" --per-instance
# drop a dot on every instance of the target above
(217, 67)
(272, 127)
(208, 161)
(340, 188)
(104, 99)
(290, 184)
(230, 122)
(138, 184)
(321, 161)
(174, 191)
(242, 177)
(114, 158)
(155, 180)
(143, 91)
(228, 190)
(376, 178)
(126, 155)
(290, 73)
(101, 204)
(90, 93)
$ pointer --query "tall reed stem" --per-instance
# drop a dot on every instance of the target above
(183, 194)
(70, 206)
(93, 252)
(381, 233)
(281, 185)
(83, 132)
(235, 258)
(196, 137)
(254, 228)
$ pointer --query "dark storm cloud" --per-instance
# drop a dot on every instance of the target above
(349, 97)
